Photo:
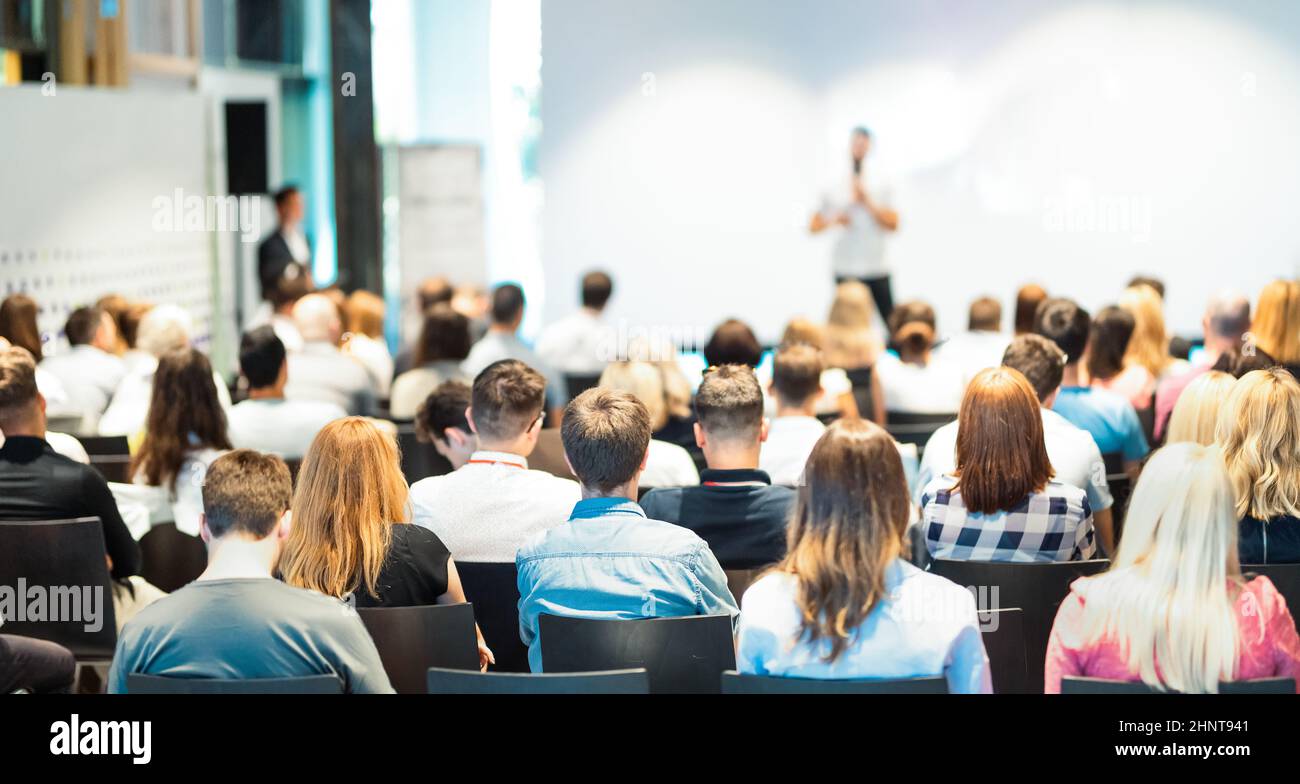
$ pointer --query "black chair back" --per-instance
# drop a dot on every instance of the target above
(915, 428)
(493, 590)
(1121, 489)
(860, 379)
(310, 684)
(111, 455)
(419, 460)
(68, 554)
(1036, 588)
(1003, 632)
(735, 683)
(1114, 462)
(1072, 685)
(171, 559)
(577, 383)
(611, 682)
(413, 639)
(1285, 578)
(681, 655)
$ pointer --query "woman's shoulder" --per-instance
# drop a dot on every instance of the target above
(1260, 596)
(417, 539)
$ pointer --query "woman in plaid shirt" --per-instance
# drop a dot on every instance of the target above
(1001, 504)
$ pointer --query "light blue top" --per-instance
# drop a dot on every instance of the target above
(1108, 417)
(926, 626)
(610, 561)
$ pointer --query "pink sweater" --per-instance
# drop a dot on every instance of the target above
(1269, 646)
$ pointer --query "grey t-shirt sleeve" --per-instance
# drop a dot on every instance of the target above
(356, 658)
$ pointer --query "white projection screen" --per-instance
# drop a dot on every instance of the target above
(1074, 144)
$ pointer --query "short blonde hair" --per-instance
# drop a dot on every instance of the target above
(1196, 414)
(365, 313)
(851, 339)
(644, 381)
(1259, 430)
(164, 328)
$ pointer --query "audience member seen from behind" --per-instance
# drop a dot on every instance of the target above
(1259, 431)
(1275, 330)
(1028, 298)
(1196, 415)
(982, 344)
(836, 388)
(669, 465)
(89, 370)
(1001, 504)
(321, 371)
(853, 344)
(1106, 363)
(440, 420)
(609, 560)
(1173, 611)
(844, 604)
(351, 536)
(1224, 327)
(796, 386)
(1149, 346)
(917, 382)
(364, 340)
(237, 620)
(444, 343)
(502, 341)
(574, 344)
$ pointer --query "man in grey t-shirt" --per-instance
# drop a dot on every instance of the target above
(235, 620)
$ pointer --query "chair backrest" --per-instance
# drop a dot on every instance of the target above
(1114, 462)
(59, 556)
(419, 460)
(577, 383)
(1121, 488)
(680, 655)
(413, 639)
(493, 590)
(735, 683)
(171, 559)
(1072, 685)
(1285, 577)
(548, 454)
(861, 381)
(1036, 588)
(1003, 632)
(443, 681)
(111, 455)
(739, 580)
(915, 428)
(310, 684)
(64, 423)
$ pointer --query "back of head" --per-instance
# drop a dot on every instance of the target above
(245, 493)
(1259, 430)
(1001, 454)
(507, 305)
(1039, 360)
(1149, 346)
(796, 373)
(985, 315)
(18, 323)
(317, 319)
(733, 343)
(164, 328)
(261, 357)
(185, 413)
(1276, 318)
(846, 530)
(1108, 342)
(18, 391)
(83, 325)
(434, 291)
(914, 339)
(506, 399)
(131, 320)
(1066, 324)
(365, 313)
(729, 404)
(801, 331)
(1166, 596)
(1028, 299)
(852, 307)
(1227, 317)
(851, 340)
(606, 434)
(645, 381)
(913, 312)
(292, 285)
(444, 335)
(444, 408)
(1196, 414)
(597, 288)
(1155, 284)
(350, 491)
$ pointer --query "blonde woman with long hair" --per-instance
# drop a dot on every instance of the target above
(837, 390)
(1149, 344)
(1196, 414)
(843, 603)
(851, 338)
(1173, 611)
(668, 464)
(1259, 430)
(350, 532)
(1276, 328)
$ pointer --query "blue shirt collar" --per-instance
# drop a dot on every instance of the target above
(588, 508)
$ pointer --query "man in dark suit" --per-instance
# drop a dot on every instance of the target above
(285, 253)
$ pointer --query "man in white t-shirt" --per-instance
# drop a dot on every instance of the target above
(796, 386)
(1074, 455)
(573, 344)
(484, 510)
(266, 421)
(983, 343)
(862, 218)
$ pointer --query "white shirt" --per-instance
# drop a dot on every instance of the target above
(973, 352)
(298, 246)
(925, 626)
(89, 375)
(413, 387)
(322, 372)
(859, 249)
(495, 346)
(187, 502)
(127, 413)
(669, 465)
(936, 388)
(373, 354)
(282, 427)
(790, 440)
(1073, 453)
(834, 382)
(484, 510)
(574, 344)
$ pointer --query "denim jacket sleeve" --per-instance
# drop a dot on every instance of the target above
(715, 596)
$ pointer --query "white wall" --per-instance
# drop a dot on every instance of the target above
(685, 143)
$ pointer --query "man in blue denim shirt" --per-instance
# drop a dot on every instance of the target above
(610, 560)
